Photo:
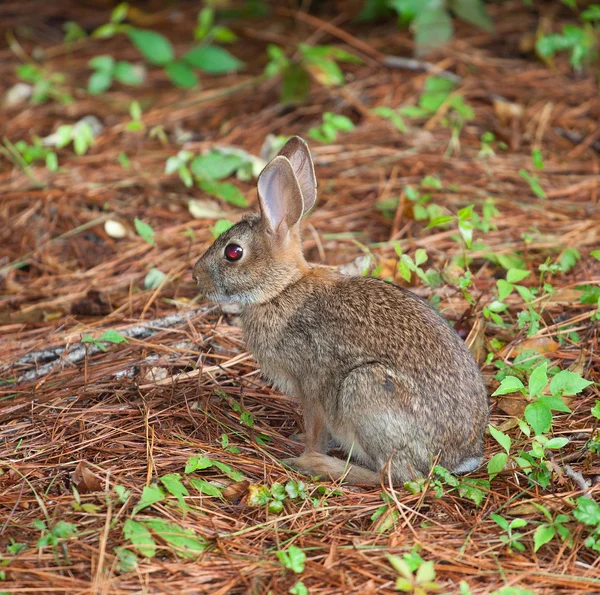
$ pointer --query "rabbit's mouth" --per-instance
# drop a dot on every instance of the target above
(243, 298)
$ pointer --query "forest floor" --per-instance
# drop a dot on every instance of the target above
(150, 462)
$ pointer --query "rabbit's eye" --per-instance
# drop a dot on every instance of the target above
(233, 252)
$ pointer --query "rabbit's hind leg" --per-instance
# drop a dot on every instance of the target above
(315, 464)
(373, 419)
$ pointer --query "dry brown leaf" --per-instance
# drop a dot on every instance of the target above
(84, 480)
(512, 405)
(236, 491)
(538, 345)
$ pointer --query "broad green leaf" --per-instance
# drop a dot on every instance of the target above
(556, 443)
(231, 473)
(539, 417)
(496, 464)
(95, 342)
(127, 560)
(501, 438)
(500, 521)
(568, 383)
(392, 115)
(433, 27)
(595, 254)
(504, 289)
(212, 59)
(517, 523)
(140, 538)
(119, 12)
(538, 380)
(340, 121)
(440, 221)
(181, 74)
(225, 191)
(102, 63)
(543, 534)
(215, 165)
(426, 572)
(185, 542)
(145, 231)
(205, 487)
(299, 589)
(554, 403)
(156, 48)
(112, 336)
(173, 485)
(52, 161)
(296, 84)
(473, 11)
(198, 463)
(154, 278)
(587, 511)
(516, 275)
(64, 135)
(293, 558)
(127, 74)
(595, 411)
(99, 82)
(420, 256)
(509, 385)
(150, 495)
(220, 227)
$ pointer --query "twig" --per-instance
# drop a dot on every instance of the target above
(578, 479)
(80, 350)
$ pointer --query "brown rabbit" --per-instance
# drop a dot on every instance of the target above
(372, 364)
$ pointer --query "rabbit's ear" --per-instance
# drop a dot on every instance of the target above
(280, 196)
(297, 151)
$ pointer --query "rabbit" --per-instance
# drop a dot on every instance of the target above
(373, 365)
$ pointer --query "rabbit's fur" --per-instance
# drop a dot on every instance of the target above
(372, 364)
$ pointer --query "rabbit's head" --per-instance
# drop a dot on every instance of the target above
(262, 254)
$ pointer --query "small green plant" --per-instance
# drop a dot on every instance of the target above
(207, 31)
(46, 85)
(497, 463)
(580, 42)
(594, 443)
(548, 530)
(135, 111)
(534, 183)
(23, 154)
(390, 114)
(145, 231)
(53, 536)
(465, 220)
(80, 134)
(588, 513)
(158, 51)
(332, 124)
(538, 412)
(407, 266)
(473, 489)
(419, 583)
(110, 336)
(293, 559)
(107, 71)
(318, 62)
(512, 539)
(274, 497)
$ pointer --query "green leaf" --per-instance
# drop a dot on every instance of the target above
(184, 540)
(181, 74)
(420, 256)
(127, 560)
(538, 380)
(154, 278)
(426, 572)
(215, 165)
(126, 73)
(102, 63)
(516, 275)
(227, 192)
(474, 12)
(496, 464)
(73, 32)
(64, 135)
(504, 289)
(212, 59)
(299, 589)
(156, 48)
(501, 438)
(340, 121)
(173, 485)
(539, 417)
(440, 221)
(83, 138)
(52, 161)
(500, 521)
(205, 487)
(135, 111)
(140, 538)
(150, 495)
(554, 403)
(509, 385)
(517, 523)
(227, 470)
(587, 511)
(95, 342)
(392, 115)
(296, 84)
(105, 31)
(556, 443)
(595, 411)
(119, 13)
(433, 27)
(568, 383)
(145, 231)
(112, 336)
(293, 558)
(595, 254)
(99, 82)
